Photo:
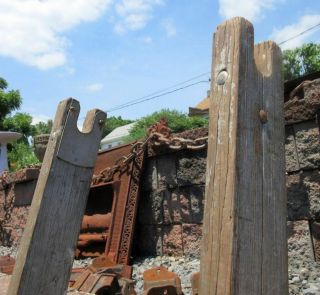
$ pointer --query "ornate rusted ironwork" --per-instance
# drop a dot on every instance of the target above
(131, 210)
(124, 214)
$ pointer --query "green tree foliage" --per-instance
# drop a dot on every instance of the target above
(301, 61)
(112, 123)
(20, 122)
(177, 122)
(9, 100)
(20, 153)
(43, 127)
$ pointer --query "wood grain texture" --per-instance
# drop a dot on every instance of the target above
(47, 248)
(244, 218)
(274, 238)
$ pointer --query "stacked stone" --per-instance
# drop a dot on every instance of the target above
(16, 192)
(171, 205)
(303, 187)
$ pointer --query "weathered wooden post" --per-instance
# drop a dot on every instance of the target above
(244, 250)
(47, 248)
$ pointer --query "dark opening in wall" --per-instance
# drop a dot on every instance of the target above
(100, 200)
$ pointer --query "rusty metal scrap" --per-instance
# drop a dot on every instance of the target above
(121, 165)
(7, 264)
(195, 283)
(96, 221)
(160, 127)
(98, 279)
(89, 238)
(124, 215)
(159, 280)
(103, 263)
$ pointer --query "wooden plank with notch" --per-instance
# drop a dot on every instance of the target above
(244, 240)
(47, 248)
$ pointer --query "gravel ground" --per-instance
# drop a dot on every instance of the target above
(13, 252)
(304, 276)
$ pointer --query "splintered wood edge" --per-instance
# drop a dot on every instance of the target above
(76, 145)
(94, 117)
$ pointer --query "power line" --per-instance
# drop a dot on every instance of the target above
(159, 91)
(156, 96)
(300, 34)
(163, 92)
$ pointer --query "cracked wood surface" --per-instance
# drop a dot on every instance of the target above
(47, 247)
(244, 235)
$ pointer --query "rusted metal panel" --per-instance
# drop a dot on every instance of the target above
(107, 158)
(7, 264)
(131, 210)
(124, 213)
(96, 221)
(159, 280)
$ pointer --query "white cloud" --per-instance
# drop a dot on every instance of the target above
(250, 9)
(31, 31)
(95, 87)
(39, 118)
(146, 40)
(134, 14)
(304, 23)
(169, 27)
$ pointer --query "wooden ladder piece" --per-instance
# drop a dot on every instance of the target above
(244, 247)
(49, 240)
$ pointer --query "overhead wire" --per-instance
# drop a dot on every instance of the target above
(163, 92)
(300, 34)
(156, 96)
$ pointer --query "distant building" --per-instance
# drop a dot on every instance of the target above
(202, 108)
(115, 137)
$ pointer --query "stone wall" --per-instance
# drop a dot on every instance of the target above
(16, 192)
(171, 204)
(303, 172)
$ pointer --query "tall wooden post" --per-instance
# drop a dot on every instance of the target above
(244, 249)
(47, 247)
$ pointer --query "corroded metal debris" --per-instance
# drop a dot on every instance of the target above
(7, 264)
(159, 281)
(103, 277)
(195, 283)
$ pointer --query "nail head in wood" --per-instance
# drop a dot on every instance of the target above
(222, 77)
(263, 116)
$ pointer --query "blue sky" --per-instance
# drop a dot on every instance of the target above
(107, 52)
